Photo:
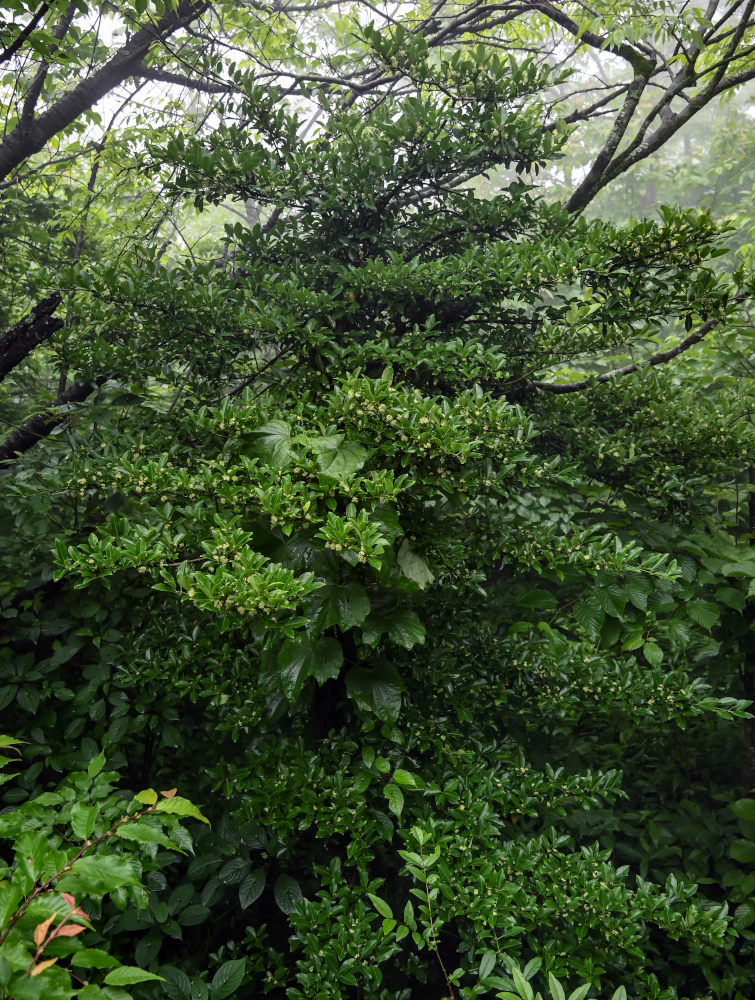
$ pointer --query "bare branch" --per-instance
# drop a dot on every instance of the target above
(559, 388)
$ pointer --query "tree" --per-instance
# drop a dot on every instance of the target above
(402, 543)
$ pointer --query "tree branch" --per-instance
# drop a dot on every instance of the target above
(43, 424)
(11, 50)
(145, 72)
(39, 325)
(26, 140)
(656, 359)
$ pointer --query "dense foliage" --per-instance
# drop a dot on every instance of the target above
(380, 499)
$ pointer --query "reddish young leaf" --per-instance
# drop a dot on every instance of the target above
(71, 900)
(68, 930)
(41, 966)
(40, 931)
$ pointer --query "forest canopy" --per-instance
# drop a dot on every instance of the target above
(377, 485)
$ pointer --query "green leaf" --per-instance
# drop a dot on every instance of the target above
(251, 888)
(96, 764)
(336, 459)
(148, 797)
(402, 626)
(653, 654)
(702, 612)
(98, 875)
(537, 599)
(142, 833)
(377, 690)
(590, 618)
(94, 958)
(178, 806)
(381, 906)
(580, 993)
(287, 892)
(487, 964)
(327, 660)
(395, 798)
(557, 990)
(83, 819)
(744, 915)
(127, 975)
(413, 566)
(321, 659)
(744, 808)
(743, 850)
(523, 987)
(405, 778)
(193, 915)
(274, 442)
(343, 605)
(294, 659)
(228, 978)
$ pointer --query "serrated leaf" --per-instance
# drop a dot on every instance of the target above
(702, 612)
(179, 806)
(228, 978)
(94, 958)
(377, 690)
(251, 888)
(414, 566)
(744, 915)
(274, 442)
(297, 660)
(337, 458)
(96, 764)
(98, 875)
(590, 618)
(287, 892)
(127, 975)
(653, 654)
(395, 798)
(83, 819)
(401, 625)
(142, 833)
(148, 797)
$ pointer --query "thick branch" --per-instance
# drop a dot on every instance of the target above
(656, 359)
(639, 63)
(11, 50)
(192, 83)
(59, 33)
(593, 181)
(41, 426)
(23, 142)
(39, 325)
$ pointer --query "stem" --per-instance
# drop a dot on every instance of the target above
(433, 935)
(49, 885)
